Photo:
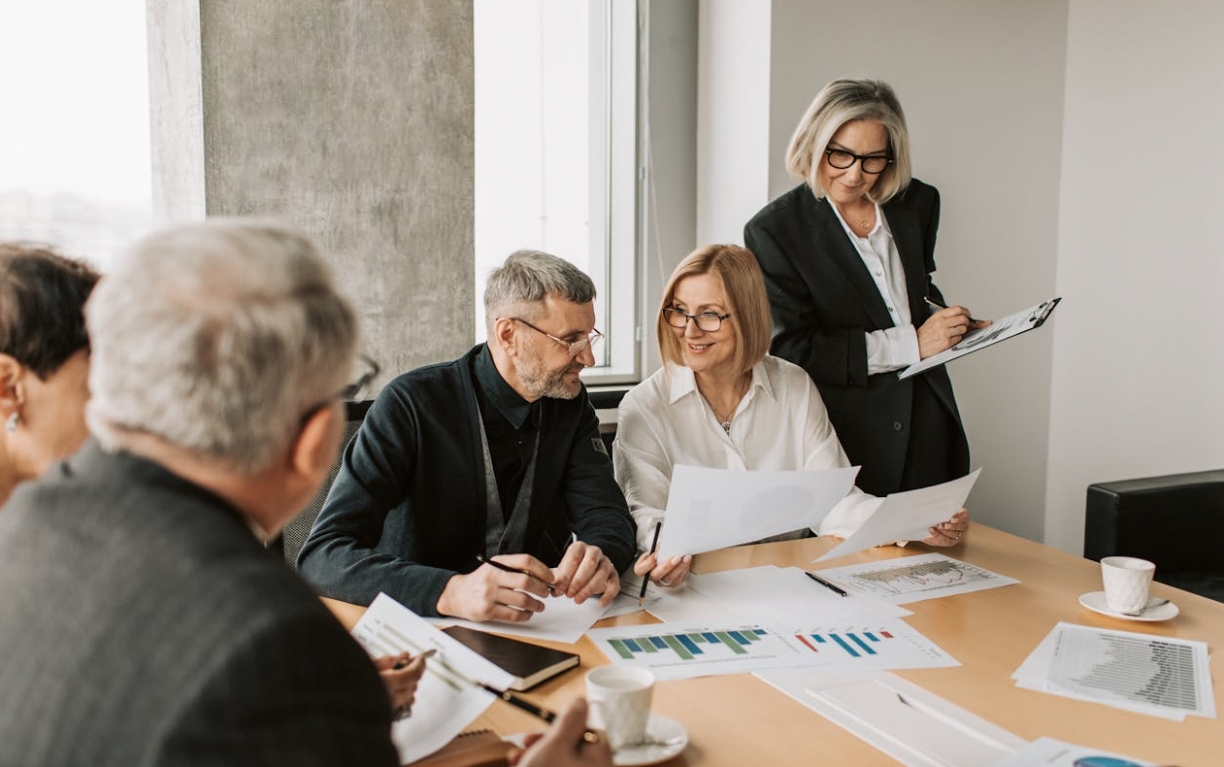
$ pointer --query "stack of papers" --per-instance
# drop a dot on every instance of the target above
(1148, 674)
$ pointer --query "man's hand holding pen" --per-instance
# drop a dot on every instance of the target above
(945, 328)
(503, 589)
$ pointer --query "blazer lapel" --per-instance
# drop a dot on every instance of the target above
(826, 230)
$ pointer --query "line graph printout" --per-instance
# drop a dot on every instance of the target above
(912, 579)
(1157, 675)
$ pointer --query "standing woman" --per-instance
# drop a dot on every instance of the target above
(44, 360)
(848, 257)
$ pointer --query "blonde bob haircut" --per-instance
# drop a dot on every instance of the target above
(747, 303)
(838, 103)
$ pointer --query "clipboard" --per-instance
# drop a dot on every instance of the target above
(975, 340)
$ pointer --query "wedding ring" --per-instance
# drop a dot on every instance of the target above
(959, 534)
(592, 737)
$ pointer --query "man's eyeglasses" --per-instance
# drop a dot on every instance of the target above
(365, 370)
(573, 348)
(706, 322)
(873, 164)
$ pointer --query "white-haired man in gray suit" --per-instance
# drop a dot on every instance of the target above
(142, 622)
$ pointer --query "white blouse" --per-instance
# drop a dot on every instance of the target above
(781, 424)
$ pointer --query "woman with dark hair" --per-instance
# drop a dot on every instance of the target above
(720, 401)
(44, 360)
(848, 256)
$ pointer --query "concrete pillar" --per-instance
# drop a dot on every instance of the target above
(352, 119)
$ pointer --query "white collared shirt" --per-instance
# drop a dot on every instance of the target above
(781, 424)
(896, 347)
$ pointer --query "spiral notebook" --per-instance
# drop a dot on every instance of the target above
(528, 663)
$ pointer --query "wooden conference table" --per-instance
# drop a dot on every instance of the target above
(740, 720)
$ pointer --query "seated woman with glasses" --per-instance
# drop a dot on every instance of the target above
(720, 401)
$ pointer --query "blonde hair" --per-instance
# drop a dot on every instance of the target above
(747, 301)
(838, 103)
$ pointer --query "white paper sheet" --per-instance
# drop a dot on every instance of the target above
(1149, 674)
(561, 620)
(785, 596)
(1047, 752)
(444, 705)
(912, 579)
(685, 650)
(906, 516)
(710, 509)
(913, 726)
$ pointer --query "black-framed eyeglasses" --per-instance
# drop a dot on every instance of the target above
(365, 370)
(707, 322)
(573, 348)
(872, 163)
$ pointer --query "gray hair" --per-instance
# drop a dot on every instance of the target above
(838, 103)
(217, 337)
(521, 283)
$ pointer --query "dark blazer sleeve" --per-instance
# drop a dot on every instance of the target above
(342, 556)
(596, 507)
(831, 355)
(293, 691)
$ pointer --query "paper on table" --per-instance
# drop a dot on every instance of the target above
(914, 578)
(907, 516)
(785, 596)
(561, 620)
(1047, 752)
(710, 509)
(1122, 669)
(915, 727)
(444, 705)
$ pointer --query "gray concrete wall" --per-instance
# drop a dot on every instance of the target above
(354, 120)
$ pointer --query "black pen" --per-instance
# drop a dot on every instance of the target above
(654, 546)
(932, 302)
(590, 736)
(509, 569)
(825, 583)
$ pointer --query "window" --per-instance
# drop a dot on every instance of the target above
(74, 140)
(556, 152)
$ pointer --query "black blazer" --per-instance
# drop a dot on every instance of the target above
(823, 303)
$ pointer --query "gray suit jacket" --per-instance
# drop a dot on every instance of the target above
(142, 623)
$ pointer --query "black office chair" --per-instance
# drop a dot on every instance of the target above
(294, 535)
(1176, 521)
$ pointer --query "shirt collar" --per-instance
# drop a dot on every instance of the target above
(508, 402)
(683, 382)
(881, 222)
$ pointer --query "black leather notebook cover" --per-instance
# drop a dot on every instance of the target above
(530, 664)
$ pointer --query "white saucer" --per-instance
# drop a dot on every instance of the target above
(666, 737)
(1095, 601)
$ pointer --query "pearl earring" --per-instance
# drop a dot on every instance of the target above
(12, 423)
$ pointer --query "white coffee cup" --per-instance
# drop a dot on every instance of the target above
(619, 699)
(1127, 582)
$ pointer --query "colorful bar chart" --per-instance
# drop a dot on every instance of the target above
(856, 644)
(688, 646)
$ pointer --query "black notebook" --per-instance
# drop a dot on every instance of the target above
(528, 663)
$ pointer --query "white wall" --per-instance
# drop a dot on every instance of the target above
(732, 116)
(1138, 376)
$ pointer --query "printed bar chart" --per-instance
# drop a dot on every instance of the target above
(851, 643)
(688, 646)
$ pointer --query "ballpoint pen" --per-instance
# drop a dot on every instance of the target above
(654, 546)
(825, 583)
(938, 305)
(509, 569)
